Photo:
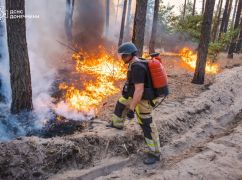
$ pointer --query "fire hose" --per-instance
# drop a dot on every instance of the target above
(159, 103)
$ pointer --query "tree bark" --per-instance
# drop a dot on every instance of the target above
(239, 43)
(199, 74)
(184, 9)
(203, 6)
(236, 26)
(121, 36)
(217, 20)
(228, 16)
(19, 60)
(139, 25)
(107, 15)
(225, 14)
(68, 18)
(154, 27)
(194, 7)
(234, 13)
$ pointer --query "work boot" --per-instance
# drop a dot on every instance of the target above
(151, 159)
(112, 126)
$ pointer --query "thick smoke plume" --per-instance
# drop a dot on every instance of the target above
(89, 18)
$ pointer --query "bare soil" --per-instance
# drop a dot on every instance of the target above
(200, 129)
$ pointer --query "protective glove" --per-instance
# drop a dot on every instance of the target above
(130, 114)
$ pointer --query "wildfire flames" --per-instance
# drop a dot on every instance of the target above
(189, 57)
(100, 73)
(104, 71)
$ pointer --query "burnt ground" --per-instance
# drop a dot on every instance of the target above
(191, 118)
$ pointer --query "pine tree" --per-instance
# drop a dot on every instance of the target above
(184, 9)
(239, 43)
(194, 8)
(236, 26)
(225, 18)
(122, 23)
(19, 60)
(234, 13)
(199, 74)
(154, 27)
(217, 20)
(139, 25)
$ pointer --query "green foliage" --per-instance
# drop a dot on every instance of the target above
(221, 43)
(189, 8)
(166, 15)
(190, 24)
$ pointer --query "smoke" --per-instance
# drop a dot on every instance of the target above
(4, 64)
(89, 18)
(47, 57)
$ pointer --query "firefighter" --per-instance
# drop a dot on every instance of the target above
(136, 99)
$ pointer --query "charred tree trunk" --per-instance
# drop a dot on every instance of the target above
(225, 15)
(217, 20)
(234, 13)
(127, 26)
(154, 27)
(236, 26)
(19, 60)
(139, 25)
(239, 43)
(199, 74)
(184, 9)
(107, 15)
(194, 7)
(68, 18)
(121, 36)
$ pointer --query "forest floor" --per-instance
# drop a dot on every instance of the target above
(200, 130)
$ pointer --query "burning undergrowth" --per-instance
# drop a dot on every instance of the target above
(81, 89)
(96, 78)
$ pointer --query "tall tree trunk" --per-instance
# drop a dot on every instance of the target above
(19, 60)
(239, 43)
(184, 9)
(234, 13)
(199, 74)
(217, 20)
(154, 27)
(68, 18)
(127, 26)
(107, 15)
(139, 25)
(121, 36)
(236, 25)
(203, 6)
(228, 16)
(194, 7)
(1, 58)
(225, 14)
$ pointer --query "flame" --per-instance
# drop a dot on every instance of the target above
(99, 74)
(189, 57)
(103, 71)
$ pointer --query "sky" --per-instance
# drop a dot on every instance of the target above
(178, 3)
